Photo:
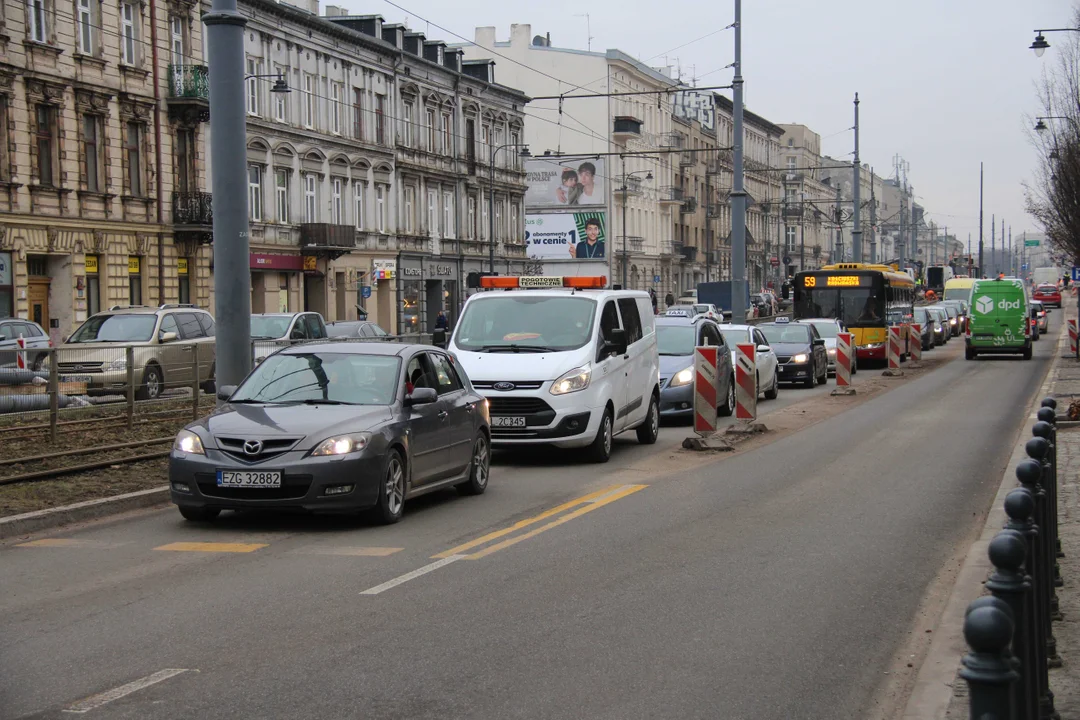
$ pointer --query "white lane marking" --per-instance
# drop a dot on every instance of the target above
(412, 575)
(95, 701)
(603, 498)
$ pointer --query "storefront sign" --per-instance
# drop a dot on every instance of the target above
(440, 270)
(384, 269)
(91, 265)
(133, 265)
(412, 272)
(276, 262)
(554, 183)
(365, 291)
(566, 236)
(181, 266)
(311, 263)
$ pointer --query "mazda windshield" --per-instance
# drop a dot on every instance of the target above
(518, 322)
(325, 378)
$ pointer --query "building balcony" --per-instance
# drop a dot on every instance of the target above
(689, 206)
(626, 128)
(631, 183)
(193, 217)
(331, 240)
(631, 245)
(687, 159)
(792, 211)
(670, 195)
(688, 253)
(189, 93)
(671, 141)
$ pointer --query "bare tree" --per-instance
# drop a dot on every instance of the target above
(1053, 196)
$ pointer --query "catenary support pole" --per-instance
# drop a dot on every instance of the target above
(738, 192)
(856, 228)
(982, 267)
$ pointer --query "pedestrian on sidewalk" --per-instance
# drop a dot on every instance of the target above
(669, 299)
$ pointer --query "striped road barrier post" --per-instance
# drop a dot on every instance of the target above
(20, 354)
(1072, 337)
(746, 390)
(895, 340)
(705, 390)
(843, 365)
(915, 345)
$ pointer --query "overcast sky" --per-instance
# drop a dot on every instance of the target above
(943, 83)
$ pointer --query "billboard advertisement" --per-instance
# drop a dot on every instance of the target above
(562, 182)
(566, 236)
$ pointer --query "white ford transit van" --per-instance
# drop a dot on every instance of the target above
(562, 361)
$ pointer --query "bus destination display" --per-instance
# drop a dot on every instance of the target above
(837, 281)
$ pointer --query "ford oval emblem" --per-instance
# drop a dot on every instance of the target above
(504, 386)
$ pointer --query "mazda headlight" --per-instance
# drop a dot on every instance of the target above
(683, 377)
(188, 442)
(800, 358)
(119, 364)
(573, 381)
(342, 445)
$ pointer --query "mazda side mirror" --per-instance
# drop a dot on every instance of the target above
(224, 392)
(421, 396)
(819, 341)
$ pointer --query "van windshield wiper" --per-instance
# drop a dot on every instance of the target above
(515, 348)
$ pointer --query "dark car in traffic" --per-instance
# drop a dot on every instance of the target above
(942, 333)
(676, 338)
(926, 322)
(800, 352)
(335, 427)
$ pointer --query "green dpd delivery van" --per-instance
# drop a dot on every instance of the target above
(999, 319)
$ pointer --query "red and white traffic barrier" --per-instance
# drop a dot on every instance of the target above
(20, 354)
(914, 345)
(844, 355)
(746, 389)
(705, 390)
(896, 338)
(1072, 337)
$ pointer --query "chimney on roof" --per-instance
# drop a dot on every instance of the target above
(335, 11)
(414, 43)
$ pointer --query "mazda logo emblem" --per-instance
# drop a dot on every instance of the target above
(253, 447)
(504, 386)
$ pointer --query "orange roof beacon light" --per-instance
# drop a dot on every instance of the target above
(508, 282)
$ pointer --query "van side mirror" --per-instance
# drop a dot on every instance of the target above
(616, 344)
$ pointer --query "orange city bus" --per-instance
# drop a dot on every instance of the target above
(866, 298)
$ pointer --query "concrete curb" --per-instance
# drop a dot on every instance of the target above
(79, 512)
(933, 689)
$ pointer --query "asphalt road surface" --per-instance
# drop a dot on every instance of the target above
(775, 583)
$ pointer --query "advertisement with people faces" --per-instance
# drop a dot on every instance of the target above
(561, 182)
(566, 236)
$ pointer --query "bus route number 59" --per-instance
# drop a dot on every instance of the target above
(810, 281)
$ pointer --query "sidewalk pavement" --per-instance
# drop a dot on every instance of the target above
(1064, 385)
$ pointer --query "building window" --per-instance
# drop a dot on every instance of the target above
(432, 133)
(335, 200)
(255, 192)
(93, 285)
(358, 114)
(176, 41)
(129, 32)
(432, 214)
(447, 136)
(515, 152)
(498, 219)
(515, 232)
(133, 151)
(311, 198)
(471, 229)
(358, 202)
(85, 25)
(380, 119)
(281, 191)
(484, 228)
(186, 177)
(791, 163)
(309, 101)
(485, 140)
(254, 67)
(182, 275)
(281, 100)
(5, 164)
(134, 280)
(380, 208)
(92, 152)
(790, 233)
(448, 215)
(335, 108)
(410, 210)
(408, 125)
(37, 11)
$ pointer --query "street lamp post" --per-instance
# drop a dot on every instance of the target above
(856, 229)
(625, 193)
(491, 198)
(1040, 45)
(738, 192)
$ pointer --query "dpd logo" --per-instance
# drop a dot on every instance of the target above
(1006, 305)
(984, 304)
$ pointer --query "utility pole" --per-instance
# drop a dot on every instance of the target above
(999, 265)
(839, 243)
(708, 227)
(1012, 259)
(982, 268)
(802, 232)
(933, 243)
(900, 233)
(873, 220)
(914, 237)
(993, 249)
(228, 145)
(856, 228)
(738, 193)
(970, 263)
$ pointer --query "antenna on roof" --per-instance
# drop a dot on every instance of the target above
(588, 29)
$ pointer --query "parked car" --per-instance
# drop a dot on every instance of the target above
(335, 427)
(357, 329)
(768, 376)
(676, 339)
(760, 305)
(800, 352)
(273, 331)
(164, 340)
(34, 338)
(1042, 315)
(1048, 294)
(926, 322)
(828, 328)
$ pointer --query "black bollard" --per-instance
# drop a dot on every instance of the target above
(1008, 583)
(1038, 449)
(1024, 517)
(1051, 404)
(987, 668)
(1048, 432)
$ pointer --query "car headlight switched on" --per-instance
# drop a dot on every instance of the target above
(832, 351)
(800, 358)
(188, 442)
(683, 377)
(573, 381)
(341, 445)
(952, 321)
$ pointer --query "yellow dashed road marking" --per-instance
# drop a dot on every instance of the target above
(211, 547)
(351, 551)
(69, 542)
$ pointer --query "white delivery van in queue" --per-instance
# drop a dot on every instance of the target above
(562, 361)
